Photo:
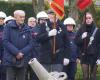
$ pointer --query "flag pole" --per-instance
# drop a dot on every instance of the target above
(54, 38)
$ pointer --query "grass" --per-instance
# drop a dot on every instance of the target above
(79, 73)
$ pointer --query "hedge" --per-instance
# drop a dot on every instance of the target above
(9, 8)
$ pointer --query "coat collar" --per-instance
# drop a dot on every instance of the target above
(14, 25)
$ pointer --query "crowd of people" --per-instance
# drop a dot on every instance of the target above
(55, 44)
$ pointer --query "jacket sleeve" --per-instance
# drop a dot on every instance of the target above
(78, 39)
(97, 38)
(43, 34)
(66, 44)
(6, 41)
(42, 37)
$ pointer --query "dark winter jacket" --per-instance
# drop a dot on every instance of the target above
(74, 49)
(34, 32)
(97, 41)
(16, 40)
(1, 45)
(92, 49)
(61, 44)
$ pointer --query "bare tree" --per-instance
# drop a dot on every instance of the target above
(38, 5)
(35, 7)
(73, 11)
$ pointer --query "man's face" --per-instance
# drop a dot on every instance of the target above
(52, 17)
(32, 23)
(89, 18)
(20, 18)
(1, 21)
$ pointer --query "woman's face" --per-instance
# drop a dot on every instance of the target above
(89, 18)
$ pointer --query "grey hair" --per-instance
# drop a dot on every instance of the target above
(19, 12)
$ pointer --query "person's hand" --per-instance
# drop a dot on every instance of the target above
(53, 32)
(98, 61)
(19, 55)
(84, 35)
(65, 62)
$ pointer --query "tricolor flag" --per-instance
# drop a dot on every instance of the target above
(83, 4)
(58, 7)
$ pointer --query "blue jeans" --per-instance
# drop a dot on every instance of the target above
(2, 72)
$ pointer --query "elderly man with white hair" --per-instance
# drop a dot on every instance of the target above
(17, 46)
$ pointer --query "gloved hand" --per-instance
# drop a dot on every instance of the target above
(65, 62)
(98, 61)
(53, 32)
(84, 35)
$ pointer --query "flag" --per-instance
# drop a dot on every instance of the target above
(58, 7)
(83, 4)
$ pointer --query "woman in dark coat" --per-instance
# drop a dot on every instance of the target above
(88, 41)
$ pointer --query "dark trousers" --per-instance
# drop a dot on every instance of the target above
(70, 70)
(2, 72)
(14, 73)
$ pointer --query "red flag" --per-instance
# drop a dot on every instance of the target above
(58, 7)
(83, 4)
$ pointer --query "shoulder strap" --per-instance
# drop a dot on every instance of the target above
(92, 36)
